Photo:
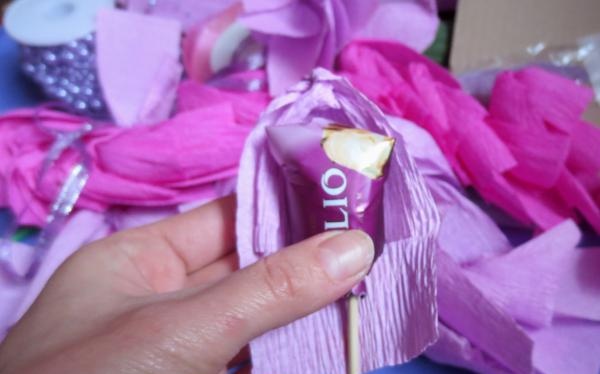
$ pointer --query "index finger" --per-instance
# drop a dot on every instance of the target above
(200, 236)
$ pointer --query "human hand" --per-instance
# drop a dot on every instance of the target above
(166, 298)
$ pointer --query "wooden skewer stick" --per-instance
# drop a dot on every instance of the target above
(352, 336)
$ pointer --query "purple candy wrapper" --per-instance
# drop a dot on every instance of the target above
(335, 177)
(398, 317)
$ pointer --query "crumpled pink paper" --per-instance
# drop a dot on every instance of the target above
(138, 70)
(398, 315)
(301, 35)
(531, 308)
(530, 153)
(173, 162)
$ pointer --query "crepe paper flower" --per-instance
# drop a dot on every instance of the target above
(530, 153)
(175, 161)
(398, 314)
(531, 308)
(139, 71)
(303, 34)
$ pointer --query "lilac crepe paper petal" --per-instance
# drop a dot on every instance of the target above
(528, 292)
(289, 59)
(138, 70)
(265, 5)
(187, 12)
(456, 350)
(466, 309)
(413, 23)
(569, 346)
(397, 320)
(580, 285)
(296, 20)
(11, 293)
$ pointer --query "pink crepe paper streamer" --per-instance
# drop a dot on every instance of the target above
(398, 315)
(530, 154)
(173, 162)
(301, 35)
(248, 104)
(139, 70)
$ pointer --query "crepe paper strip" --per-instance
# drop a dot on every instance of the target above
(465, 308)
(577, 296)
(398, 315)
(569, 346)
(520, 156)
(528, 293)
(138, 70)
(247, 106)
(534, 117)
(573, 192)
(466, 232)
(584, 159)
(187, 12)
(456, 350)
(173, 162)
(302, 35)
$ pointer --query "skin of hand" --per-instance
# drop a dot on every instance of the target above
(168, 298)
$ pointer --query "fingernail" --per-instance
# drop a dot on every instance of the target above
(346, 254)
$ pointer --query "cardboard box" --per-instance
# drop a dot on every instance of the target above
(489, 29)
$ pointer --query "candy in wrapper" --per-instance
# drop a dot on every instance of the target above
(398, 315)
(335, 179)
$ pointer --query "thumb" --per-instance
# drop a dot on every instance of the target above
(279, 289)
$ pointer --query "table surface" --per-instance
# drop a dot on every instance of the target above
(16, 91)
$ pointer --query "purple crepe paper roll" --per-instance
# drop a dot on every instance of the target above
(335, 179)
(398, 317)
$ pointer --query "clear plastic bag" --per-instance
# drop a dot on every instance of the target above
(579, 61)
